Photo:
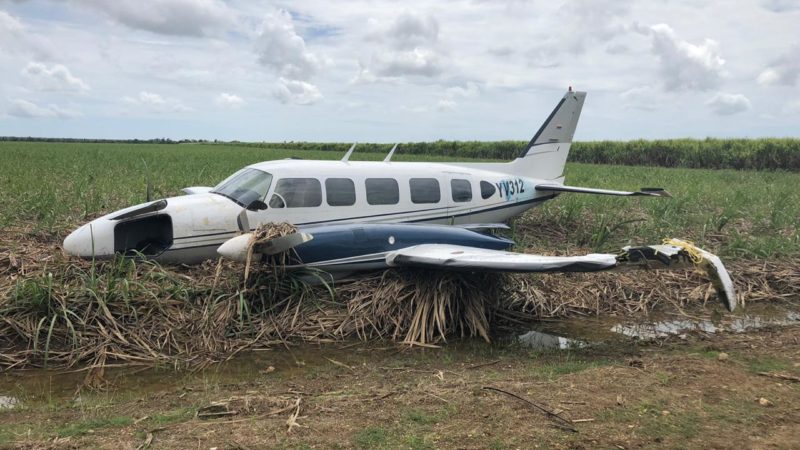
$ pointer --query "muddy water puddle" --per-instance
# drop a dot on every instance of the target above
(301, 362)
(38, 387)
(583, 332)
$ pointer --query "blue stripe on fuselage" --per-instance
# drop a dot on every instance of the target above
(332, 242)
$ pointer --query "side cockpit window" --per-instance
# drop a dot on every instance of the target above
(340, 191)
(245, 186)
(487, 189)
(296, 193)
(382, 191)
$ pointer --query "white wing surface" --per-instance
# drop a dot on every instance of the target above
(457, 257)
(675, 254)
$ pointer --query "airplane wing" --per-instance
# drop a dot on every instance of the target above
(651, 192)
(357, 247)
(676, 254)
(459, 257)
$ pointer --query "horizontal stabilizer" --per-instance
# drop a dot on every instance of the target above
(649, 192)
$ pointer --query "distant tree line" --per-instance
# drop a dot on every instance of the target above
(106, 141)
(709, 153)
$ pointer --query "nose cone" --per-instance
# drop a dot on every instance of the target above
(93, 240)
(235, 248)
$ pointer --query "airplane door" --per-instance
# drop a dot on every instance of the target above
(459, 194)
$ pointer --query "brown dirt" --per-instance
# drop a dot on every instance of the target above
(702, 391)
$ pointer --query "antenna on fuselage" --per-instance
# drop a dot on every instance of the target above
(346, 156)
(391, 152)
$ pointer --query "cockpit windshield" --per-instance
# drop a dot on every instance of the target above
(245, 186)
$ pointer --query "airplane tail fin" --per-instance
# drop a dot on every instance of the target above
(546, 154)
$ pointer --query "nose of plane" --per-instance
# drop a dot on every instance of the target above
(95, 239)
(73, 243)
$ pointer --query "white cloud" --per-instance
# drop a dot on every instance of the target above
(644, 98)
(785, 70)
(411, 30)
(54, 78)
(26, 109)
(419, 62)
(683, 65)
(280, 48)
(170, 17)
(9, 24)
(16, 38)
(446, 105)
(793, 107)
(406, 57)
(154, 103)
(407, 47)
(726, 104)
(297, 92)
(470, 89)
(591, 22)
(779, 6)
(230, 101)
(449, 102)
(581, 25)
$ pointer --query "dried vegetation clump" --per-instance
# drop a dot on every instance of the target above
(61, 312)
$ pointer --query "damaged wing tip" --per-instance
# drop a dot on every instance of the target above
(655, 192)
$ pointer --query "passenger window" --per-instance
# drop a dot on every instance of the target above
(462, 190)
(487, 189)
(340, 191)
(296, 193)
(425, 190)
(382, 191)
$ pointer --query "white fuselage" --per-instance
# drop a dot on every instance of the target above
(495, 197)
(320, 192)
(491, 197)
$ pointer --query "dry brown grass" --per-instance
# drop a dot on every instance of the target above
(61, 312)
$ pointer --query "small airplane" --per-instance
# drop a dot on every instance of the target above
(365, 215)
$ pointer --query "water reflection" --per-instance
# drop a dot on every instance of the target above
(8, 402)
(543, 341)
(678, 327)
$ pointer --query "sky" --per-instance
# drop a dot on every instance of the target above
(391, 71)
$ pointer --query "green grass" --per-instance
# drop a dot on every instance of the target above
(766, 364)
(422, 417)
(81, 427)
(372, 437)
(170, 417)
(380, 438)
(54, 186)
(553, 367)
(737, 213)
(656, 420)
